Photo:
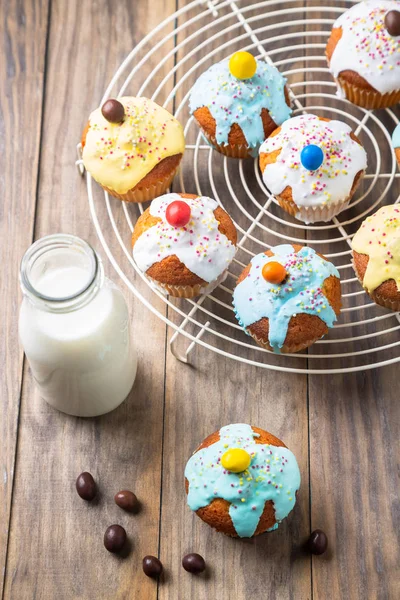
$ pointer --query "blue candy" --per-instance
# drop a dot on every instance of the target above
(311, 157)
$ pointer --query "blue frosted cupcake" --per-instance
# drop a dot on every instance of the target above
(287, 298)
(238, 103)
(242, 481)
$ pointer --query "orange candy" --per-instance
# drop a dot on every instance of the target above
(274, 272)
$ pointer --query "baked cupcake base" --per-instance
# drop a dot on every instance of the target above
(386, 295)
(366, 98)
(144, 194)
(186, 291)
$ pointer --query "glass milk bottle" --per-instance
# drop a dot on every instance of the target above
(74, 327)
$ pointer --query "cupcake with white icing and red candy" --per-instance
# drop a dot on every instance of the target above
(363, 53)
(184, 244)
(313, 166)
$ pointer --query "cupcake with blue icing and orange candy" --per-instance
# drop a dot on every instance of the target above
(287, 298)
(238, 102)
(396, 143)
(313, 166)
(242, 481)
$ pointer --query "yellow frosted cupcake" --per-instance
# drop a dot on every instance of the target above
(132, 147)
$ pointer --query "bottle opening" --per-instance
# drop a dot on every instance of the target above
(59, 268)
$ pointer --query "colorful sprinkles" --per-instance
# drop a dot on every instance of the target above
(366, 47)
(273, 475)
(379, 238)
(255, 298)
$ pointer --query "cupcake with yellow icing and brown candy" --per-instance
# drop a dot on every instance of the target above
(132, 147)
(376, 256)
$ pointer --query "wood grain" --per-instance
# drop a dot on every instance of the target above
(56, 539)
(23, 29)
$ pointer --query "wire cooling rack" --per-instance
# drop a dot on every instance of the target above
(164, 66)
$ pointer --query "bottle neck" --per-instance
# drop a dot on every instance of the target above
(61, 273)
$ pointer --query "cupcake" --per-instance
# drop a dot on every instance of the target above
(184, 244)
(363, 54)
(132, 147)
(396, 143)
(238, 102)
(376, 256)
(287, 298)
(313, 166)
(242, 481)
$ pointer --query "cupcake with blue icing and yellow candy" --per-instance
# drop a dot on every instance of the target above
(242, 481)
(238, 103)
(287, 298)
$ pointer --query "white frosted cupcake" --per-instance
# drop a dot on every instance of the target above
(184, 244)
(313, 166)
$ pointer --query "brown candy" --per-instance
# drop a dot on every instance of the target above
(86, 486)
(317, 542)
(392, 22)
(113, 111)
(193, 563)
(126, 500)
(115, 538)
(152, 567)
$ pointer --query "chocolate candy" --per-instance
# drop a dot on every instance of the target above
(392, 22)
(317, 542)
(113, 111)
(86, 486)
(126, 500)
(152, 566)
(193, 563)
(115, 538)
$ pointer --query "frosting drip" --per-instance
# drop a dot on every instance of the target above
(396, 137)
(273, 474)
(232, 100)
(255, 298)
(333, 181)
(120, 155)
(199, 245)
(379, 238)
(366, 47)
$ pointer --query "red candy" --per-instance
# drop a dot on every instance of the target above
(178, 213)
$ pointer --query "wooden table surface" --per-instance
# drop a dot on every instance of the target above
(56, 60)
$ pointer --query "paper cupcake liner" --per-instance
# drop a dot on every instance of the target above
(187, 291)
(388, 303)
(313, 214)
(367, 98)
(227, 150)
(144, 194)
(285, 348)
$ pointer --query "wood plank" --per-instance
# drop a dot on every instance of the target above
(23, 30)
(355, 427)
(217, 391)
(56, 539)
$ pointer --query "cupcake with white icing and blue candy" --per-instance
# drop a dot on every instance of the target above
(238, 102)
(287, 298)
(184, 244)
(313, 166)
(363, 53)
(242, 481)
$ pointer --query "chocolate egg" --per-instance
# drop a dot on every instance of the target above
(392, 22)
(113, 111)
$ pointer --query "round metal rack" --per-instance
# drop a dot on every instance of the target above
(164, 66)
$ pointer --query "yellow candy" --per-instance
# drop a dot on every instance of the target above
(236, 460)
(242, 65)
